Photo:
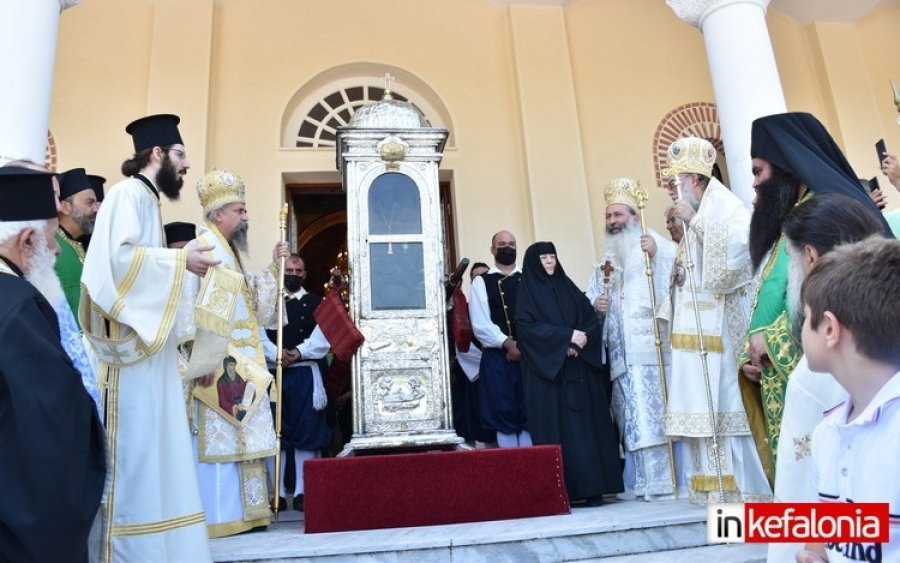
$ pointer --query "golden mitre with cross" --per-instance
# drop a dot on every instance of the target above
(220, 187)
(625, 191)
(690, 155)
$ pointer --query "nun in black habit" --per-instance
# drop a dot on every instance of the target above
(560, 340)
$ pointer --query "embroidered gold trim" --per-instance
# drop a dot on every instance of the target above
(158, 526)
(137, 262)
(711, 483)
(234, 527)
(73, 244)
(111, 400)
(692, 342)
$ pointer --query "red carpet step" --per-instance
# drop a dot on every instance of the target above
(424, 489)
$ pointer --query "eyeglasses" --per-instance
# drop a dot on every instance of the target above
(179, 152)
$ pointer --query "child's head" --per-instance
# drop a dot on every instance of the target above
(851, 294)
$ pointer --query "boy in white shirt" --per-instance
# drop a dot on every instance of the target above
(852, 330)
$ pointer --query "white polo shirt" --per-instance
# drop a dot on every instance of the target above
(859, 461)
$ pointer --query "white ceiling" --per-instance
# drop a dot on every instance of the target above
(846, 11)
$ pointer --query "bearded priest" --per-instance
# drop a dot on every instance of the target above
(53, 464)
(132, 286)
(232, 418)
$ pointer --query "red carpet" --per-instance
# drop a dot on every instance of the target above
(423, 489)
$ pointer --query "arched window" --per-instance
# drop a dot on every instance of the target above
(697, 119)
(319, 126)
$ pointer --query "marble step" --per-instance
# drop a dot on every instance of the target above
(615, 530)
(732, 553)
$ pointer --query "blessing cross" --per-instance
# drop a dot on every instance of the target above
(388, 78)
(607, 270)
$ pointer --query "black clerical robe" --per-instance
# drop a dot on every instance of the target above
(52, 445)
(565, 397)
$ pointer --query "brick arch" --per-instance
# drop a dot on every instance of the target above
(50, 156)
(696, 119)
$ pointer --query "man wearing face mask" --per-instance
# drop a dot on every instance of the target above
(304, 428)
(493, 312)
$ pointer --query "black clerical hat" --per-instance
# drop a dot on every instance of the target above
(177, 231)
(26, 195)
(159, 130)
(97, 183)
(73, 181)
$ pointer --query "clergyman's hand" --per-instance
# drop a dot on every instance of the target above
(206, 380)
(751, 372)
(281, 250)
(757, 350)
(684, 211)
(601, 304)
(197, 262)
(648, 245)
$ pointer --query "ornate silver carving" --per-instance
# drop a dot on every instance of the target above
(693, 11)
(400, 375)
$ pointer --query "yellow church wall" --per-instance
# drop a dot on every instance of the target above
(634, 61)
(548, 103)
(461, 50)
(879, 40)
(100, 82)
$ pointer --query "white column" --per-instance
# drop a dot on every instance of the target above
(30, 29)
(744, 74)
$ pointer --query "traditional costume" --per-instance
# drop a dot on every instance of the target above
(231, 444)
(53, 464)
(638, 396)
(132, 288)
(492, 310)
(716, 240)
(566, 401)
(799, 144)
(304, 428)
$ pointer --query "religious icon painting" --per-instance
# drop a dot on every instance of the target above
(238, 388)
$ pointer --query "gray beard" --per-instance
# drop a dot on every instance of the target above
(41, 274)
(794, 285)
(85, 224)
(624, 244)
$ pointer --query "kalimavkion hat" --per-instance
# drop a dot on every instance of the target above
(97, 183)
(26, 195)
(73, 181)
(160, 130)
(177, 231)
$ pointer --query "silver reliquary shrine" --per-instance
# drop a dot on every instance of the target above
(388, 158)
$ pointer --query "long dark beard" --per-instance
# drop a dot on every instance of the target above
(239, 238)
(167, 179)
(776, 197)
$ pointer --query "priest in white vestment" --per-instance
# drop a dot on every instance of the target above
(231, 449)
(716, 230)
(131, 288)
(638, 400)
